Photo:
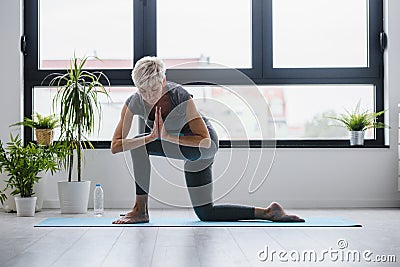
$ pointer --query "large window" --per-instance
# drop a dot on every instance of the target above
(204, 32)
(320, 33)
(100, 28)
(259, 69)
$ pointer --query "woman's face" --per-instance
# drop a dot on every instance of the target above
(152, 94)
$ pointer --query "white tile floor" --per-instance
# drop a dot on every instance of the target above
(23, 245)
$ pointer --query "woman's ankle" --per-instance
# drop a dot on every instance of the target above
(141, 204)
(260, 213)
(140, 208)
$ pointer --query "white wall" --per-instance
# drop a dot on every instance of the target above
(10, 66)
(298, 178)
(10, 69)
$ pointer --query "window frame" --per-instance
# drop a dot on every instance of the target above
(214, 75)
(261, 73)
(375, 27)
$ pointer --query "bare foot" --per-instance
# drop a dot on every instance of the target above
(275, 213)
(133, 217)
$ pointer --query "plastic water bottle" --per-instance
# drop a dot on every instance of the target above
(98, 198)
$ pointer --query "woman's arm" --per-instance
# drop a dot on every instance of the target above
(119, 142)
(200, 137)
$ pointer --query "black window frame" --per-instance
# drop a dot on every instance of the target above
(261, 73)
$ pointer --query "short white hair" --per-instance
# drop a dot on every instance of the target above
(148, 71)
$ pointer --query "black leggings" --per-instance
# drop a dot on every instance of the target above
(198, 176)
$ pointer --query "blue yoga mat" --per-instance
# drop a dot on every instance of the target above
(190, 222)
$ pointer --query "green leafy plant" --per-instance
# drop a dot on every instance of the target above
(77, 94)
(40, 122)
(22, 164)
(359, 120)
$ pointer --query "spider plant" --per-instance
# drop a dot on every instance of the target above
(359, 120)
(77, 94)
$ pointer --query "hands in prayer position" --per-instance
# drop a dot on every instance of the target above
(159, 131)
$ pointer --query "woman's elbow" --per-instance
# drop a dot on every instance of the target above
(115, 148)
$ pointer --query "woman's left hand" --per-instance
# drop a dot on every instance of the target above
(161, 129)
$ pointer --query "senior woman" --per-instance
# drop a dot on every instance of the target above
(177, 130)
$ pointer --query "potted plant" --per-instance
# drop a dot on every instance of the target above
(44, 127)
(44, 131)
(22, 165)
(77, 95)
(357, 122)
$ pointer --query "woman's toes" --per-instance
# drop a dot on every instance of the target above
(293, 218)
(301, 220)
(132, 219)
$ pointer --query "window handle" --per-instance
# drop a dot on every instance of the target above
(383, 41)
(23, 45)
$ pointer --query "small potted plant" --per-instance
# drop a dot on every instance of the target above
(44, 127)
(22, 165)
(77, 95)
(357, 122)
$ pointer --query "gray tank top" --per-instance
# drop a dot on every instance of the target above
(176, 121)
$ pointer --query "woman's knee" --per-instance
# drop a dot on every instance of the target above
(204, 212)
(201, 153)
(209, 152)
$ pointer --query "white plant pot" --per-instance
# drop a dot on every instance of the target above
(25, 206)
(357, 138)
(40, 190)
(9, 204)
(74, 196)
